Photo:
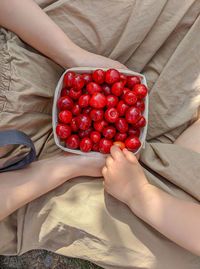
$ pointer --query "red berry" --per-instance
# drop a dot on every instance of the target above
(63, 131)
(95, 147)
(96, 114)
(119, 144)
(130, 98)
(87, 110)
(73, 142)
(83, 121)
(95, 136)
(132, 131)
(112, 76)
(86, 144)
(106, 89)
(74, 125)
(75, 94)
(85, 133)
(76, 110)
(121, 125)
(111, 115)
(112, 101)
(140, 105)
(78, 82)
(68, 79)
(123, 79)
(98, 100)
(105, 145)
(65, 116)
(140, 90)
(65, 102)
(132, 143)
(132, 115)
(93, 87)
(122, 108)
(117, 88)
(87, 78)
(140, 123)
(120, 136)
(98, 76)
(109, 132)
(132, 81)
(84, 100)
(125, 90)
(100, 125)
(64, 92)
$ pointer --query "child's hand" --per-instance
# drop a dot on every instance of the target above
(123, 175)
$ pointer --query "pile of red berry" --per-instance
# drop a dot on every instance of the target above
(101, 109)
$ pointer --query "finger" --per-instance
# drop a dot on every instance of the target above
(104, 171)
(109, 161)
(130, 156)
(116, 153)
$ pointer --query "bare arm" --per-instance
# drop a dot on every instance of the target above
(31, 24)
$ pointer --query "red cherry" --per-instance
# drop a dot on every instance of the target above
(125, 90)
(85, 133)
(120, 136)
(74, 125)
(87, 78)
(63, 131)
(132, 115)
(65, 102)
(96, 114)
(95, 136)
(68, 78)
(98, 76)
(87, 110)
(132, 143)
(106, 89)
(123, 79)
(121, 125)
(95, 147)
(93, 87)
(75, 94)
(100, 125)
(65, 116)
(78, 82)
(86, 144)
(84, 100)
(84, 91)
(64, 92)
(109, 132)
(98, 100)
(122, 108)
(76, 110)
(132, 81)
(112, 76)
(132, 131)
(140, 90)
(130, 98)
(140, 123)
(83, 121)
(140, 105)
(105, 145)
(117, 88)
(111, 115)
(112, 101)
(73, 142)
(119, 144)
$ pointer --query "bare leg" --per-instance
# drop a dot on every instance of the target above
(190, 138)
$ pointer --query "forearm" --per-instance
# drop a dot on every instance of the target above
(178, 220)
(31, 24)
(17, 188)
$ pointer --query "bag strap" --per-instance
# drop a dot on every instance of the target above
(15, 137)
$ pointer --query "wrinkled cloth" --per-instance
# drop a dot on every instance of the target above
(155, 37)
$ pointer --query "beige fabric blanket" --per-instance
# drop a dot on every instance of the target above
(159, 38)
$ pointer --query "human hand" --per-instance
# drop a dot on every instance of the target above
(123, 176)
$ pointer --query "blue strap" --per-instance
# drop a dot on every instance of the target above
(15, 137)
